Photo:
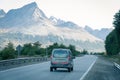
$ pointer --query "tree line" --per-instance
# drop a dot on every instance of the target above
(112, 42)
(34, 49)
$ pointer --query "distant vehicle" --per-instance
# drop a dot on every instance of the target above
(61, 58)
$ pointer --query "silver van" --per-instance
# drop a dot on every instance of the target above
(61, 58)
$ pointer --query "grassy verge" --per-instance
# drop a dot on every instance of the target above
(115, 58)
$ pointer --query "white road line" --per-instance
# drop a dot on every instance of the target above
(83, 76)
(117, 65)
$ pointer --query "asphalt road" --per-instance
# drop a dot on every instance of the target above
(87, 67)
(41, 71)
(103, 69)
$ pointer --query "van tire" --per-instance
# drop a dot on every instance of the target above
(55, 69)
(69, 69)
(51, 69)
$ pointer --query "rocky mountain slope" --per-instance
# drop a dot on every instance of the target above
(30, 24)
(101, 34)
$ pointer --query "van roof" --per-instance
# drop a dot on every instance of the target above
(61, 49)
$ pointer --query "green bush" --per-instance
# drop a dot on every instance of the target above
(33, 49)
(8, 52)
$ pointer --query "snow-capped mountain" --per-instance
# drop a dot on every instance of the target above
(2, 13)
(62, 23)
(102, 33)
(25, 16)
(30, 24)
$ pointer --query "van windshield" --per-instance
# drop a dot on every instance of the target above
(60, 54)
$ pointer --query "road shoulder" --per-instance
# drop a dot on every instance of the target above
(103, 69)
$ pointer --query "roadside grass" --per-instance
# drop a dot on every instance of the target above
(114, 58)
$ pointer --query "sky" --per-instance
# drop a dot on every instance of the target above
(95, 13)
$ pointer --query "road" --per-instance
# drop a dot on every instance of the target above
(82, 68)
(41, 71)
(103, 69)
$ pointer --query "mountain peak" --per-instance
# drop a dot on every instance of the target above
(34, 10)
(2, 13)
(28, 8)
(56, 21)
(62, 23)
(27, 15)
(33, 4)
(87, 28)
